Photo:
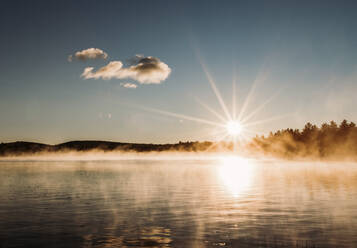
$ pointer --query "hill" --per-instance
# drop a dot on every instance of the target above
(28, 148)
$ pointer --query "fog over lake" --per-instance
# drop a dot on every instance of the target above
(217, 202)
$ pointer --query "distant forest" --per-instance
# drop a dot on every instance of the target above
(22, 148)
(328, 141)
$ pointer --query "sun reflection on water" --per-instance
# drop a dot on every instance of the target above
(236, 174)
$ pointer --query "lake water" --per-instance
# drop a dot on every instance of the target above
(223, 202)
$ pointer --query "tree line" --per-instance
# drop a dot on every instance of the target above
(330, 140)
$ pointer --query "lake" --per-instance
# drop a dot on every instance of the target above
(153, 202)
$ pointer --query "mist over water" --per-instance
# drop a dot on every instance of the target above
(224, 202)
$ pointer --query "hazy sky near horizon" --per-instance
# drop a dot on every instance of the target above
(306, 50)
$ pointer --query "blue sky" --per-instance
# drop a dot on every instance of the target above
(307, 50)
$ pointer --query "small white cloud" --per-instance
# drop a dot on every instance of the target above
(129, 85)
(90, 53)
(145, 70)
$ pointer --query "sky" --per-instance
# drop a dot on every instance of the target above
(154, 55)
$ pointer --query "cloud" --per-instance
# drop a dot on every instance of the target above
(90, 53)
(150, 70)
(146, 70)
(113, 69)
(129, 85)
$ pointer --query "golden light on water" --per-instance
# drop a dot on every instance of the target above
(236, 174)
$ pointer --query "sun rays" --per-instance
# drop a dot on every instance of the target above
(232, 125)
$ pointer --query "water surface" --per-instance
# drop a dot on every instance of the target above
(227, 202)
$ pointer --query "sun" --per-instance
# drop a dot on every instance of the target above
(233, 124)
(234, 128)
